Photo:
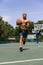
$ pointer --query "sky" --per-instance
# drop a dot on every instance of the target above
(11, 10)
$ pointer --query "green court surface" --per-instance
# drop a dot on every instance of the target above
(32, 54)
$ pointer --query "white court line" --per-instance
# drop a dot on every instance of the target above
(11, 62)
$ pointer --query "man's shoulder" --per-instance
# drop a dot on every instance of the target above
(21, 18)
(27, 20)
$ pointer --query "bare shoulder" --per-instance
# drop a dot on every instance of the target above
(21, 19)
(27, 20)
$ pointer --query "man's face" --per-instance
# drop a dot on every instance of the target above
(24, 16)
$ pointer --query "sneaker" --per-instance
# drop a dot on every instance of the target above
(21, 49)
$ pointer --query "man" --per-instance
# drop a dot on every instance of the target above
(24, 24)
(37, 36)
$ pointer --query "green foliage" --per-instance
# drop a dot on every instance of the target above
(6, 30)
(40, 22)
(31, 26)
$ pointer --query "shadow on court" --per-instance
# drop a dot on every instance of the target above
(26, 49)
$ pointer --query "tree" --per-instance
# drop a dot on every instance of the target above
(40, 22)
(6, 30)
(31, 26)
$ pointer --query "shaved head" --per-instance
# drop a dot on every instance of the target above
(24, 15)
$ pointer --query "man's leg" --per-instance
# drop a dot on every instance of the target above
(21, 40)
(24, 40)
(24, 36)
(37, 40)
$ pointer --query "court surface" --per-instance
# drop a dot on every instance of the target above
(32, 54)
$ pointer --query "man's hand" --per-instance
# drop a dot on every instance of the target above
(27, 24)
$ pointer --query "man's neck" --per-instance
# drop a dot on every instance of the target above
(24, 18)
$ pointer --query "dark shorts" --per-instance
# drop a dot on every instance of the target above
(23, 33)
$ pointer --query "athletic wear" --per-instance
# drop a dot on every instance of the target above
(23, 33)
